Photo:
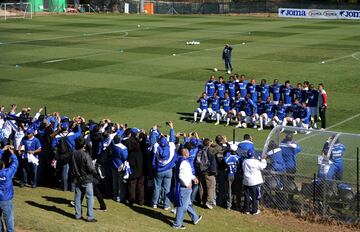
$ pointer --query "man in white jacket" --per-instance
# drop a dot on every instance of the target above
(252, 181)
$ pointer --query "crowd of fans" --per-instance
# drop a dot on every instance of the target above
(260, 105)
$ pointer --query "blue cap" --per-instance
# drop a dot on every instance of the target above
(64, 125)
(29, 131)
(163, 141)
(134, 131)
(251, 153)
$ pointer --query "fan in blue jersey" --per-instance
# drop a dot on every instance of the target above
(226, 108)
(220, 87)
(245, 145)
(297, 92)
(202, 110)
(231, 87)
(251, 89)
(275, 91)
(233, 162)
(210, 86)
(277, 163)
(263, 89)
(247, 112)
(286, 93)
(313, 98)
(268, 114)
(214, 111)
(241, 85)
(280, 113)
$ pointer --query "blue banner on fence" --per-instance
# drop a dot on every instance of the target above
(319, 13)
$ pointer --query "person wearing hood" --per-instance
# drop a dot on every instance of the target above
(164, 159)
(252, 180)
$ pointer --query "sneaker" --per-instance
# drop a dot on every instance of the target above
(173, 211)
(257, 212)
(247, 213)
(260, 129)
(307, 132)
(209, 206)
(198, 220)
(295, 132)
(255, 127)
(217, 123)
(179, 227)
(227, 124)
(244, 125)
(228, 208)
(154, 206)
(167, 208)
(91, 220)
(72, 203)
(238, 125)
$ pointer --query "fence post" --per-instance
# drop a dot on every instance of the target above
(234, 136)
(357, 182)
(314, 191)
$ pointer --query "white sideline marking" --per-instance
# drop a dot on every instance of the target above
(71, 36)
(343, 57)
(332, 126)
(76, 57)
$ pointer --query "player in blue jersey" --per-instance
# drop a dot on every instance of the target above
(295, 110)
(286, 93)
(268, 114)
(275, 91)
(259, 109)
(210, 86)
(313, 99)
(220, 87)
(203, 107)
(241, 86)
(231, 87)
(263, 89)
(214, 110)
(251, 89)
(304, 117)
(247, 112)
(297, 92)
(280, 113)
(226, 108)
(236, 106)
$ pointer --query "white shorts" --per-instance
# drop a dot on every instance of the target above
(314, 111)
(275, 102)
(200, 111)
(223, 112)
(276, 119)
(242, 113)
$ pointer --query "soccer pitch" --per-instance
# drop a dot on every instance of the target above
(123, 67)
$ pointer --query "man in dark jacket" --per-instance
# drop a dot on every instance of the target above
(227, 58)
(6, 189)
(82, 170)
(208, 177)
(135, 159)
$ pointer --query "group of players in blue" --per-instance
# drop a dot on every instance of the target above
(258, 105)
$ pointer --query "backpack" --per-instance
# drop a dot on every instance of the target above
(64, 151)
(202, 160)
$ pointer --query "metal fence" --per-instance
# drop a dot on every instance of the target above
(325, 180)
(220, 7)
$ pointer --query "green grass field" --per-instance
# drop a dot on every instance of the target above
(106, 66)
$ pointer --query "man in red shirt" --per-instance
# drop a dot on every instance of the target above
(322, 105)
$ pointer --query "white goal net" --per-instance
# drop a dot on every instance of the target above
(15, 10)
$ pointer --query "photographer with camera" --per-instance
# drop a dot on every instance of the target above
(6, 187)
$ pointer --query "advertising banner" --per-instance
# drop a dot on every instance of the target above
(319, 13)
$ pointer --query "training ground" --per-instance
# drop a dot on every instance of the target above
(124, 68)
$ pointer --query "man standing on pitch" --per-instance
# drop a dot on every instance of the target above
(227, 58)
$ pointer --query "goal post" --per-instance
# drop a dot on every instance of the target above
(16, 11)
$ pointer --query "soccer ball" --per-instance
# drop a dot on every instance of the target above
(215, 69)
(228, 72)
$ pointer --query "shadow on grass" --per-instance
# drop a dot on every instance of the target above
(57, 200)
(186, 116)
(152, 214)
(51, 209)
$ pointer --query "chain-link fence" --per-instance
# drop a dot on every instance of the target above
(220, 7)
(312, 172)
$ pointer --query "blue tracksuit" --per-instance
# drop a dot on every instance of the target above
(251, 89)
(6, 178)
(264, 91)
(289, 151)
(221, 88)
(231, 87)
(336, 157)
(286, 95)
(276, 160)
(244, 146)
(242, 88)
(275, 90)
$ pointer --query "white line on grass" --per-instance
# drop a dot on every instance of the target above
(77, 57)
(330, 127)
(353, 55)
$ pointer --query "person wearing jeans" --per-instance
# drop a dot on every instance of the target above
(6, 185)
(165, 156)
(252, 180)
(183, 189)
(83, 170)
